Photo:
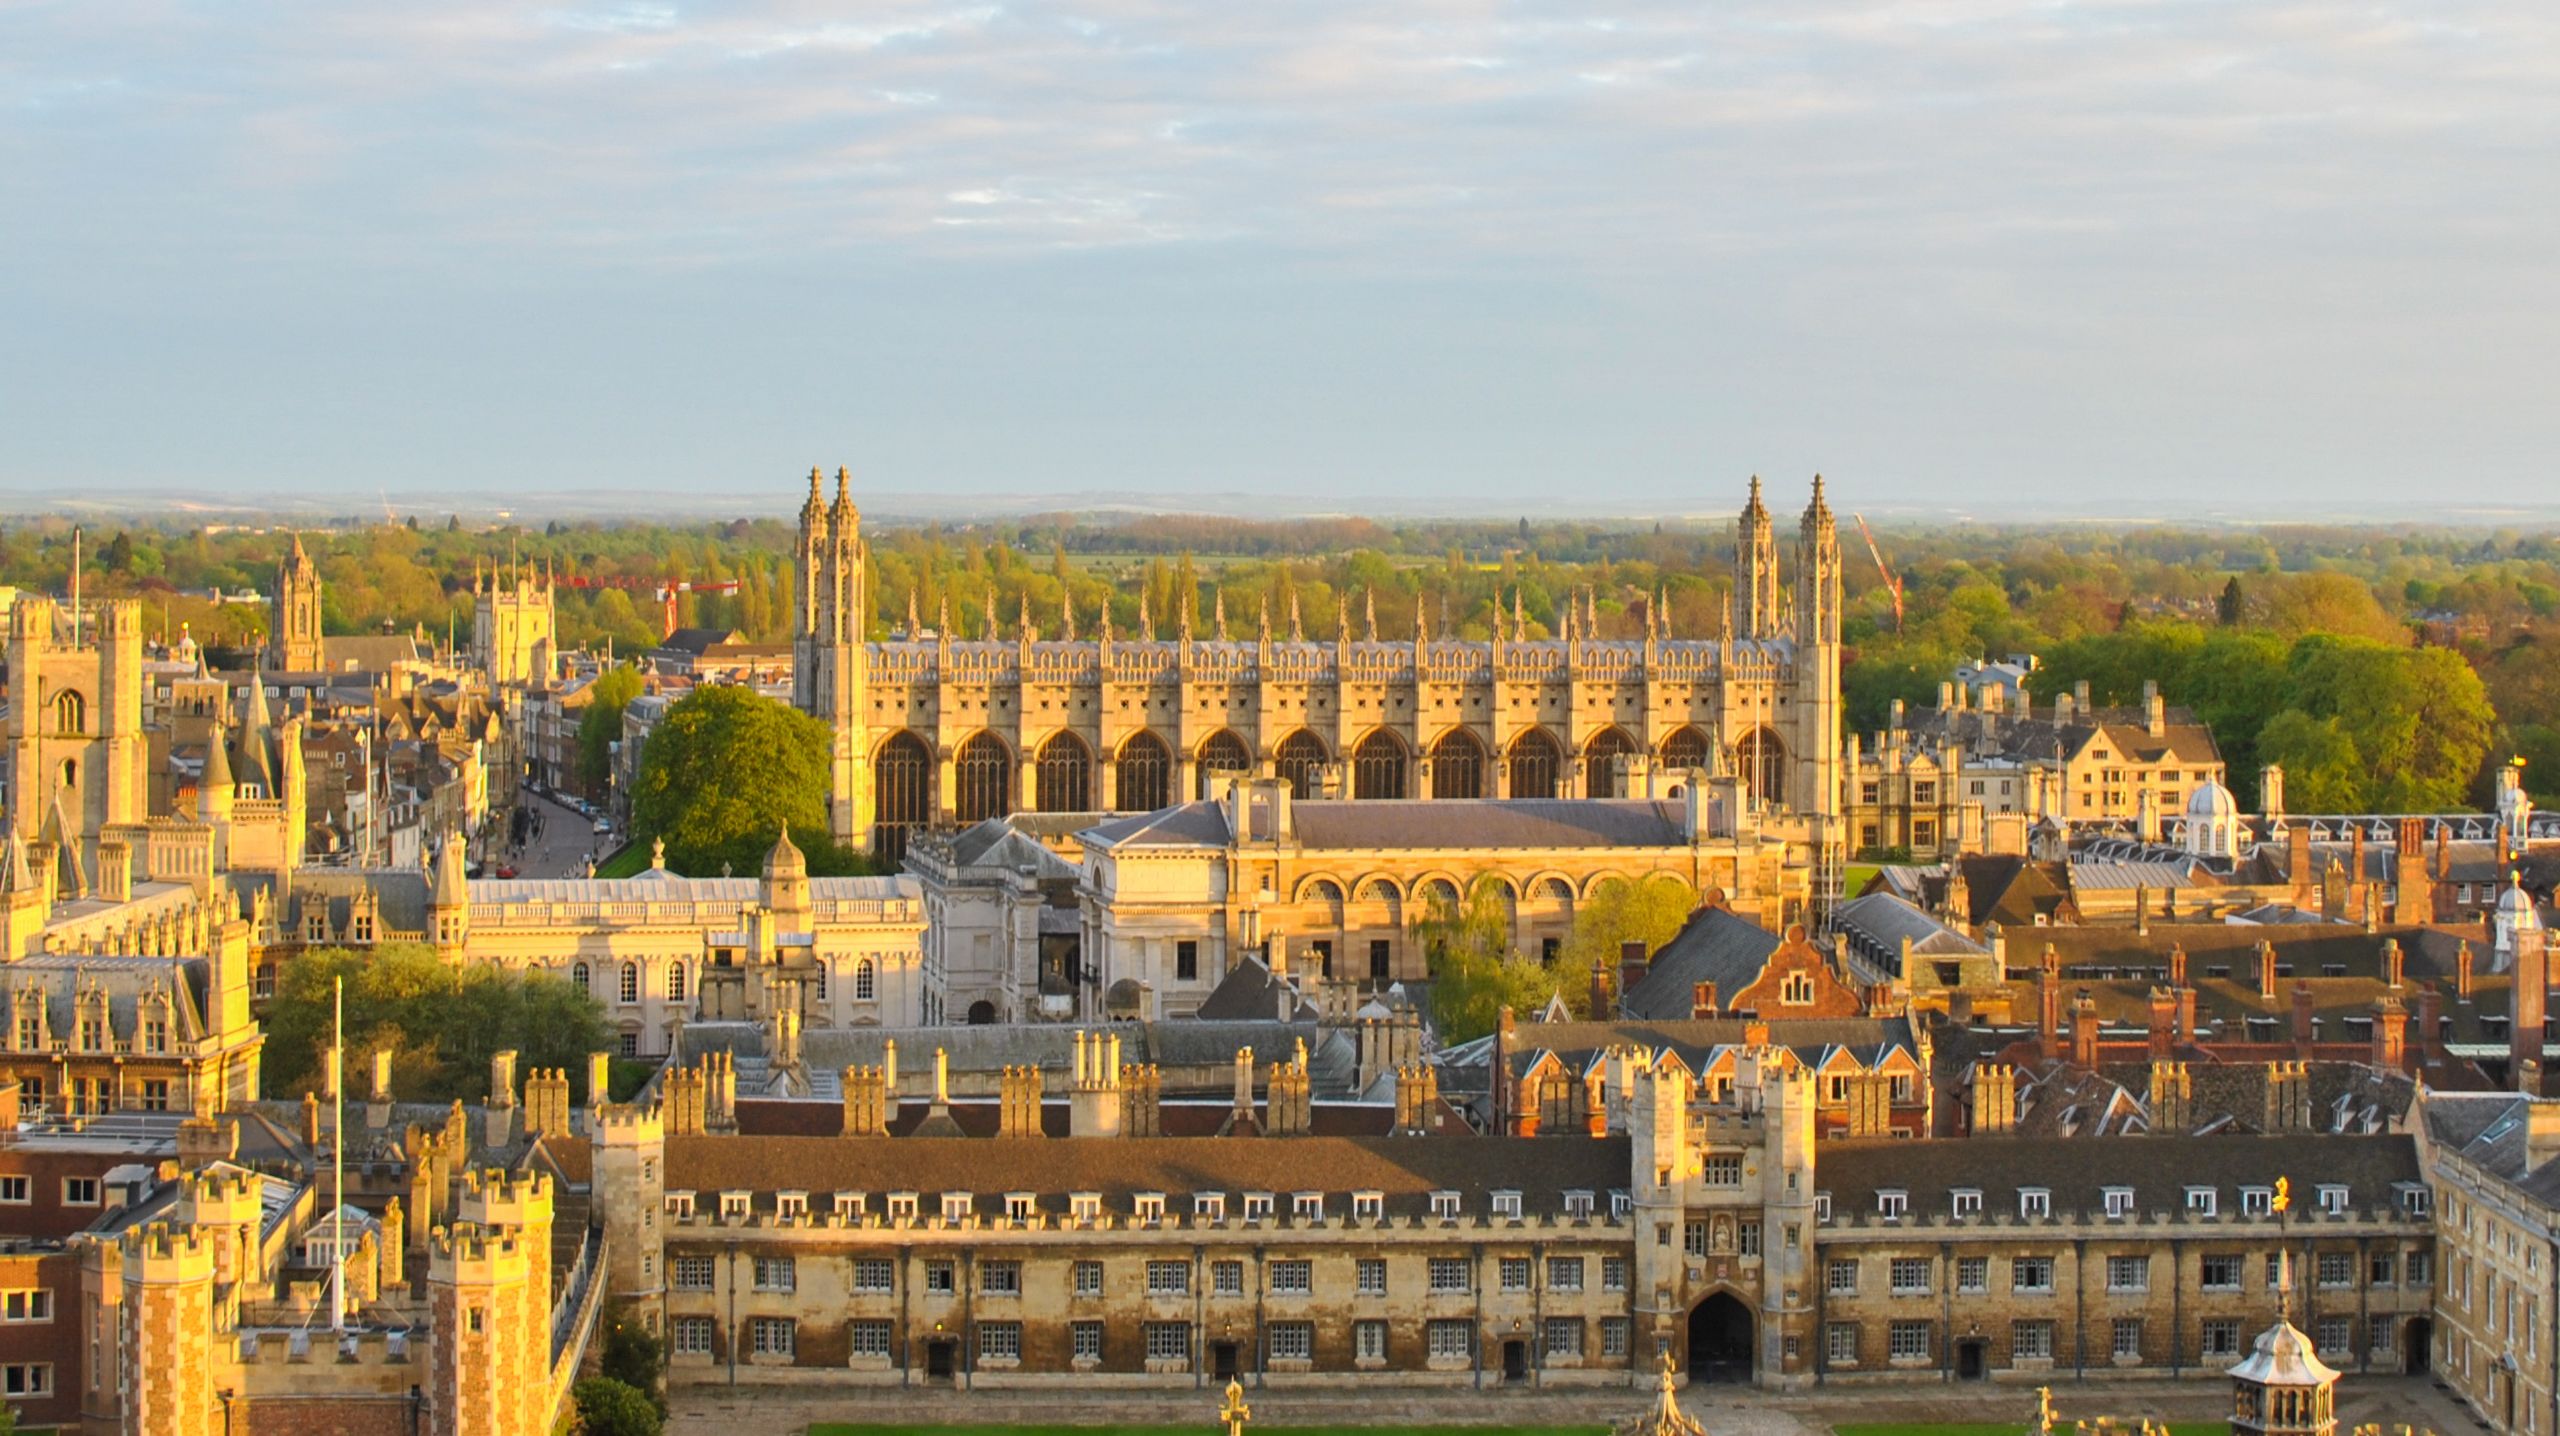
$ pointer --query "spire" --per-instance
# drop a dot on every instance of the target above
(942, 619)
(843, 512)
(1022, 616)
(1297, 630)
(253, 734)
(1341, 617)
(1370, 601)
(1421, 623)
(1146, 619)
(989, 632)
(785, 860)
(814, 508)
(1262, 627)
(1519, 617)
(1066, 613)
(1817, 513)
(913, 628)
(217, 761)
(1219, 597)
(22, 879)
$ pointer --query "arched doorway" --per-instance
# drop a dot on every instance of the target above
(1761, 761)
(2417, 1354)
(1721, 1344)
(1300, 761)
(1143, 781)
(1378, 767)
(902, 793)
(982, 1013)
(1223, 755)
(1535, 761)
(1063, 775)
(1457, 766)
(1684, 750)
(1600, 762)
(985, 772)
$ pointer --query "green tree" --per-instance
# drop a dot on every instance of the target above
(1474, 972)
(601, 726)
(440, 1022)
(634, 1355)
(2322, 772)
(2539, 745)
(1619, 911)
(725, 771)
(607, 1407)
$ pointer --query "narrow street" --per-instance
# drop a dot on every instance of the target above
(562, 839)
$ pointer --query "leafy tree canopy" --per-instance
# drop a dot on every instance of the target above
(440, 1022)
(607, 1407)
(723, 772)
(1619, 911)
(600, 727)
(1474, 972)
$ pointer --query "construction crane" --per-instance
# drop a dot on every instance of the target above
(1892, 585)
(665, 590)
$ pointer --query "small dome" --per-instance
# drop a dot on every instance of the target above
(1124, 998)
(2212, 801)
(2516, 905)
(785, 860)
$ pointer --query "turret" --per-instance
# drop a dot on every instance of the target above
(786, 879)
(449, 903)
(1755, 567)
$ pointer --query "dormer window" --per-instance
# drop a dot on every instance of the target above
(1890, 1205)
(680, 1206)
(1307, 1206)
(849, 1206)
(1148, 1207)
(1257, 1206)
(790, 1206)
(1084, 1208)
(1209, 1206)
(1622, 1205)
(1965, 1202)
(1822, 1207)
(734, 1205)
(902, 1206)
(1577, 1205)
(2119, 1202)
(2257, 1201)
(2035, 1202)
(957, 1206)
(1444, 1206)
(1371, 1206)
(1506, 1206)
(2333, 1199)
(2203, 1202)
(1017, 1207)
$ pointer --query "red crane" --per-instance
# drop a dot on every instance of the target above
(665, 590)
(1892, 585)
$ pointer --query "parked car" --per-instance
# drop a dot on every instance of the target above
(506, 870)
(604, 825)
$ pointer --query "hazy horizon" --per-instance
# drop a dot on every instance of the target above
(1963, 256)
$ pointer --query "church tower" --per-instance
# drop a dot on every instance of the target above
(829, 621)
(1816, 739)
(75, 722)
(293, 627)
(1755, 567)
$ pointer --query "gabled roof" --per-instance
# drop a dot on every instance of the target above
(1716, 947)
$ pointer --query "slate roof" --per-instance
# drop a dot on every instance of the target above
(1716, 947)
(2158, 1169)
(1491, 823)
(1250, 991)
(2488, 1130)
(369, 652)
(1695, 1041)
(125, 981)
(1332, 1059)
(1181, 826)
(1407, 1170)
(1877, 924)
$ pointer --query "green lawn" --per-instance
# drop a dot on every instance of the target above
(843, 1428)
(2010, 1428)
(630, 861)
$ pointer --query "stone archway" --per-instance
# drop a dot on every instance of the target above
(1723, 1339)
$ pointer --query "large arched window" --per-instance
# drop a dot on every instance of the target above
(902, 793)
(986, 778)
(630, 982)
(1600, 762)
(1300, 761)
(675, 981)
(1762, 762)
(578, 974)
(1064, 775)
(1222, 755)
(866, 980)
(1535, 762)
(1684, 750)
(1457, 765)
(1143, 778)
(70, 712)
(1378, 767)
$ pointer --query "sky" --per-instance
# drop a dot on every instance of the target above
(1420, 255)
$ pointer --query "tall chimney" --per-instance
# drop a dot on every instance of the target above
(2164, 1020)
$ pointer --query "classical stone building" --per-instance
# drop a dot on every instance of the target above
(943, 732)
(2494, 1161)
(77, 754)
(1085, 1247)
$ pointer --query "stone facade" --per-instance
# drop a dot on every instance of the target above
(932, 731)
